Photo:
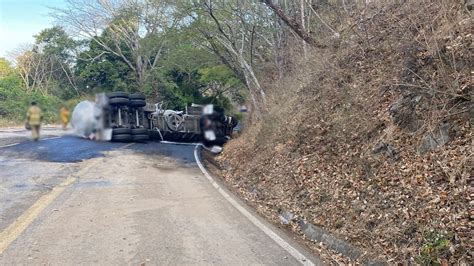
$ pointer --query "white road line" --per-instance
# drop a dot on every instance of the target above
(57, 137)
(12, 131)
(178, 143)
(280, 241)
(126, 146)
(16, 143)
(10, 145)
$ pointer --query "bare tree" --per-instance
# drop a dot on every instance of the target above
(35, 69)
(136, 29)
(296, 26)
(234, 32)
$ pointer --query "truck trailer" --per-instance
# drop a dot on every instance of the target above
(124, 117)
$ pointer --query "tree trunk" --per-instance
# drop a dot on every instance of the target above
(302, 13)
(293, 24)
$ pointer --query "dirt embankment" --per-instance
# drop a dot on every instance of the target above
(372, 140)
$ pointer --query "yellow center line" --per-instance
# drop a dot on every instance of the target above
(14, 230)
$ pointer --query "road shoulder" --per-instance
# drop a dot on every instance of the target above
(284, 238)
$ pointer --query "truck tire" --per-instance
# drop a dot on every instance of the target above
(174, 121)
(121, 131)
(137, 96)
(122, 138)
(140, 137)
(117, 94)
(119, 101)
(137, 103)
(139, 131)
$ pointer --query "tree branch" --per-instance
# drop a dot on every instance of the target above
(293, 24)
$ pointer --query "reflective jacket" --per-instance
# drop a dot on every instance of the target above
(34, 115)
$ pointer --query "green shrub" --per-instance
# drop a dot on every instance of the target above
(435, 248)
(14, 101)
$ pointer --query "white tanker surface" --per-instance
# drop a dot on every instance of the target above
(87, 120)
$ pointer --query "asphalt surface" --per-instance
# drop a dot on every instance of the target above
(69, 201)
(10, 136)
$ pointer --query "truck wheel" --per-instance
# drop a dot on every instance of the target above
(117, 94)
(137, 103)
(174, 121)
(140, 137)
(119, 101)
(139, 131)
(137, 96)
(122, 138)
(121, 131)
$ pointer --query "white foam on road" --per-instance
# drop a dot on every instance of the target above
(280, 241)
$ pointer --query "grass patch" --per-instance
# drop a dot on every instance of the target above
(435, 248)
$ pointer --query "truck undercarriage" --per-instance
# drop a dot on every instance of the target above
(124, 117)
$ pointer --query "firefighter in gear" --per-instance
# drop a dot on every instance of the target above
(34, 118)
(64, 115)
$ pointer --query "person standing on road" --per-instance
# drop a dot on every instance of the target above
(34, 117)
(64, 115)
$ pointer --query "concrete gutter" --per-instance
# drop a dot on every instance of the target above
(320, 235)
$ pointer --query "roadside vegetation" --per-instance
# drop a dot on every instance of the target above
(360, 111)
(154, 47)
(368, 133)
(14, 99)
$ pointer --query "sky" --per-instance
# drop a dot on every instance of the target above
(21, 19)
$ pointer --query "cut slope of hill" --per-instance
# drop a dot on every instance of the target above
(371, 139)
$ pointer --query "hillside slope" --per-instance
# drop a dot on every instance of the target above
(371, 138)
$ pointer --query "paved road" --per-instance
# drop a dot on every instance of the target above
(70, 201)
(9, 136)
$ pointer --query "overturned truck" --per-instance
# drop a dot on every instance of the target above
(124, 117)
